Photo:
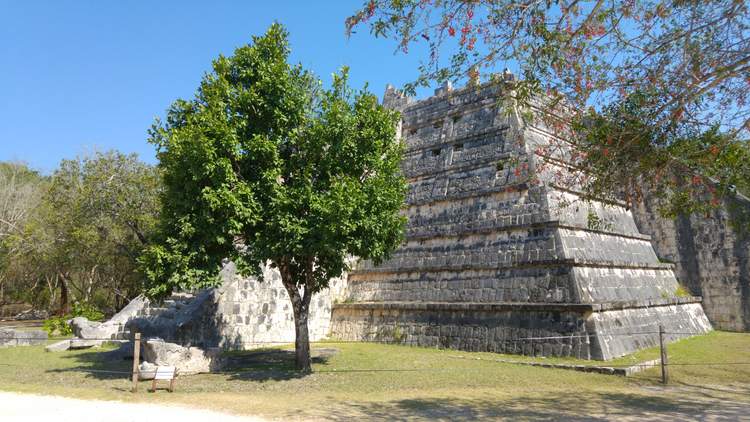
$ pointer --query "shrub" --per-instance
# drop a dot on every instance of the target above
(87, 311)
(682, 292)
(59, 325)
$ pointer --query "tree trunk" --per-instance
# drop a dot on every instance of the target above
(301, 341)
(64, 299)
(300, 307)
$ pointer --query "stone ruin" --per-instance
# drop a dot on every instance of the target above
(242, 313)
(495, 262)
(491, 261)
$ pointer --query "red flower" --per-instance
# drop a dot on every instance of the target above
(451, 31)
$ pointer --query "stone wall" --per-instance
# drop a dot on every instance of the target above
(11, 338)
(245, 313)
(498, 254)
(712, 259)
(491, 327)
(584, 331)
(242, 313)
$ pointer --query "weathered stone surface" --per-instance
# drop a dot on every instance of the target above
(130, 311)
(242, 313)
(59, 346)
(712, 257)
(146, 371)
(32, 314)
(500, 254)
(187, 360)
(12, 338)
(79, 343)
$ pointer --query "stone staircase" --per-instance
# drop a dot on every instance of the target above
(164, 319)
(140, 309)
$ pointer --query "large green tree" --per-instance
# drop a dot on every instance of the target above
(267, 167)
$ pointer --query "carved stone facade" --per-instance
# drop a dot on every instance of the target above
(495, 262)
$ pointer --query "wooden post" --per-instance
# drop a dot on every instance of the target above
(136, 360)
(664, 362)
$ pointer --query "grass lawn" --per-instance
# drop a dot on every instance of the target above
(353, 380)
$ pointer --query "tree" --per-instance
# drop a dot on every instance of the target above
(20, 193)
(85, 233)
(99, 212)
(265, 166)
(684, 65)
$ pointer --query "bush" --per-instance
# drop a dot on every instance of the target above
(59, 325)
(682, 292)
(87, 311)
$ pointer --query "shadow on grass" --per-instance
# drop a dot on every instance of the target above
(253, 365)
(597, 407)
(98, 364)
(269, 364)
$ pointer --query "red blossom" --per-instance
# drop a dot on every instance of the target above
(451, 31)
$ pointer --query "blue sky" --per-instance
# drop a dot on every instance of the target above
(92, 75)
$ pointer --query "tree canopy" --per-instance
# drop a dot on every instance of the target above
(81, 231)
(266, 166)
(679, 68)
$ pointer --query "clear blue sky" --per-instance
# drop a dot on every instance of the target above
(92, 75)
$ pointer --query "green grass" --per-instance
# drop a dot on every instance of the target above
(715, 347)
(353, 380)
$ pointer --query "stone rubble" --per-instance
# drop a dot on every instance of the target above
(187, 360)
(12, 338)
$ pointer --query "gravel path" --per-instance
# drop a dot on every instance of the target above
(26, 407)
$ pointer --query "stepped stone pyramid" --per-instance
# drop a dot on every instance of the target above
(493, 262)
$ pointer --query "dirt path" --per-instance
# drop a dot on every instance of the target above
(27, 407)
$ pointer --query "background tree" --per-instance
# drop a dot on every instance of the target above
(679, 68)
(81, 241)
(265, 166)
(20, 194)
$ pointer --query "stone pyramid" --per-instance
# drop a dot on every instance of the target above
(492, 262)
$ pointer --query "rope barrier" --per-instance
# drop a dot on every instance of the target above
(351, 370)
(120, 340)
